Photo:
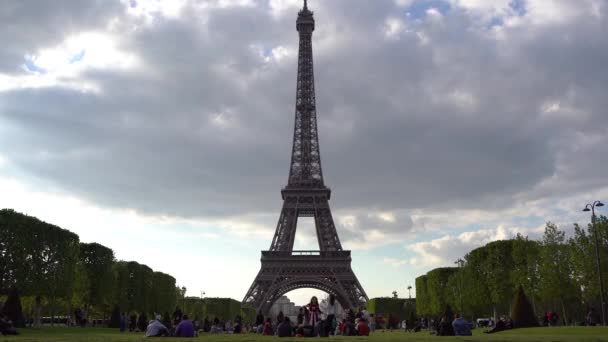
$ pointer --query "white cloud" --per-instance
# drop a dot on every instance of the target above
(393, 262)
(393, 27)
(445, 250)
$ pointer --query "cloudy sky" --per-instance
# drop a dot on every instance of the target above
(162, 129)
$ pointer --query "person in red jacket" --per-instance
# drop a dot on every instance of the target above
(362, 328)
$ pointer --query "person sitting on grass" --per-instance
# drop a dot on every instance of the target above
(350, 329)
(6, 326)
(362, 328)
(592, 318)
(461, 326)
(185, 328)
(123, 322)
(445, 327)
(156, 328)
(284, 329)
(500, 326)
(268, 327)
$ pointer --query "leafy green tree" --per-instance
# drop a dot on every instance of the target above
(475, 289)
(556, 270)
(422, 296)
(525, 268)
(163, 297)
(437, 286)
(584, 261)
(18, 266)
(96, 263)
(497, 269)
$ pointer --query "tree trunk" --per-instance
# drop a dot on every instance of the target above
(564, 312)
(52, 311)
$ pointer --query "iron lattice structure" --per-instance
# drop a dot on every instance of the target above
(305, 195)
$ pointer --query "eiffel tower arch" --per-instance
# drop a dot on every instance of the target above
(329, 268)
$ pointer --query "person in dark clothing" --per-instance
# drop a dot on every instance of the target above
(500, 326)
(268, 327)
(349, 329)
(6, 326)
(132, 322)
(259, 319)
(142, 322)
(177, 316)
(280, 317)
(206, 325)
(123, 322)
(301, 315)
(592, 318)
(445, 327)
(284, 329)
(238, 324)
(350, 316)
(359, 314)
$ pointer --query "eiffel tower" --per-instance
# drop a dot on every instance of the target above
(305, 195)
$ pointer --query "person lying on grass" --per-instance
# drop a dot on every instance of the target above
(156, 328)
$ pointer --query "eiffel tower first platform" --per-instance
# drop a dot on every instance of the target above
(305, 195)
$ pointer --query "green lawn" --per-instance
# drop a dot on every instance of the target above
(566, 334)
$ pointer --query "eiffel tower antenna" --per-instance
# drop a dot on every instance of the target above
(305, 195)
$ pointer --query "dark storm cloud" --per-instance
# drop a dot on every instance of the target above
(441, 114)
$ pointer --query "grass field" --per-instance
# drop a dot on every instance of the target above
(566, 334)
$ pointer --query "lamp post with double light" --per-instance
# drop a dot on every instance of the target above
(591, 207)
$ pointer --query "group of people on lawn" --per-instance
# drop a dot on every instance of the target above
(182, 325)
(317, 320)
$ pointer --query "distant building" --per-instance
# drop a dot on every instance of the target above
(288, 308)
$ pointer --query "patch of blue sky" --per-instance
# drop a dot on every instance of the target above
(77, 57)
(496, 21)
(31, 66)
(418, 8)
(519, 6)
(395, 251)
(267, 51)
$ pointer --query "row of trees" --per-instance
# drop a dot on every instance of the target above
(40, 259)
(557, 273)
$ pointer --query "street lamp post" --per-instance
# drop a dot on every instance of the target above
(591, 207)
(184, 299)
(409, 290)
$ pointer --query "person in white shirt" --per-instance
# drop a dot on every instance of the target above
(329, 312)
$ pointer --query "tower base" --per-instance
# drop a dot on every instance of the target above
(283, 272)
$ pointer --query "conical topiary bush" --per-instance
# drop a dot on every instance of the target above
(522, 312)
(12, 308)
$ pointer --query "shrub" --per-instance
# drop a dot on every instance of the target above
(12, 308)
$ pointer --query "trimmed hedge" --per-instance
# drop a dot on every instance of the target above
(223, 308)
(386, 306)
